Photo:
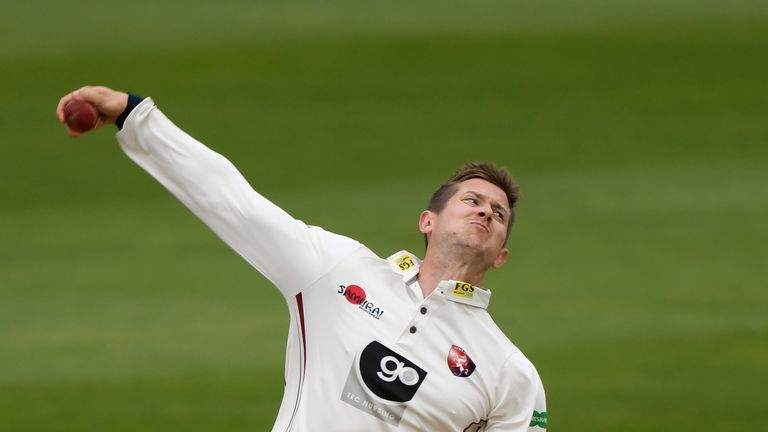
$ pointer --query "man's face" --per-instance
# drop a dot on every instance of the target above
(474, 219)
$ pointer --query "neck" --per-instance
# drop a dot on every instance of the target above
(438, 267)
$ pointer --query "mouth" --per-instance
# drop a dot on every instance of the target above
(481, 225)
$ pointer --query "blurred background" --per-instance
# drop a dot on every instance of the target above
(637, 282)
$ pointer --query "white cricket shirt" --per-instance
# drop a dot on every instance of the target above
(366, 351)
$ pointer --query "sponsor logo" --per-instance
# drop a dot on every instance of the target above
(389, 375)
(539, 419)
(381, 382)
(404, 262)
(464, 290)
(459, 362)
(356, 295)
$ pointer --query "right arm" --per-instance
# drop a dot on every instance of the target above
(286, 251)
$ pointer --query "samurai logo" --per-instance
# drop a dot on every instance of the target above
(459, 362)
(381, 382)
(355, 294)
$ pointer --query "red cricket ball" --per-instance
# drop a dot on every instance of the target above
(80, 116)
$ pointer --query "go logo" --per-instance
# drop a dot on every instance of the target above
(407, 375)
(388, 375)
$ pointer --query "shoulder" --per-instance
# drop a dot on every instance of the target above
(511, 364)
(485, 324)
(359, 259)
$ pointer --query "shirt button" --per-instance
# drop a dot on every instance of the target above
(423, 310)
(413, 329)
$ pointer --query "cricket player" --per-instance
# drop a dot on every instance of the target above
(374, 344)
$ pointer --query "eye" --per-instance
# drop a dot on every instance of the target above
(499, 215)
(471, 200)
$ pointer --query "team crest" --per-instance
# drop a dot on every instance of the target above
(459, 362)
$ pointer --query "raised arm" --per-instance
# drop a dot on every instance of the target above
(109, 103)
(288, 252)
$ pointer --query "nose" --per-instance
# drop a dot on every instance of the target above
(484, 211)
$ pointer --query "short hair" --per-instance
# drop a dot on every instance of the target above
(489, 172)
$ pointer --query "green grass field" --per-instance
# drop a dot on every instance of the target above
(637, 281)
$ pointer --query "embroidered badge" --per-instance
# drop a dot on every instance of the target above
(459, 362)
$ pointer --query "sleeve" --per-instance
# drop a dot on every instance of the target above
(286, 251)
(520, 404)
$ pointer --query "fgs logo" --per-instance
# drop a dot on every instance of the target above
(464, 290)
(381, 382)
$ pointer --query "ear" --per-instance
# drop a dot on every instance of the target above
(501, 258)
(426, 222)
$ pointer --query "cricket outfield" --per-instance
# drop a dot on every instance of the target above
(636, 281)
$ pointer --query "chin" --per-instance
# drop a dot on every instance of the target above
(476, 247)
(476, 241)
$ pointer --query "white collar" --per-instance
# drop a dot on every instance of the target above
(407, 265)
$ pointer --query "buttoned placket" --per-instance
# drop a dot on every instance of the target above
(423, 311)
